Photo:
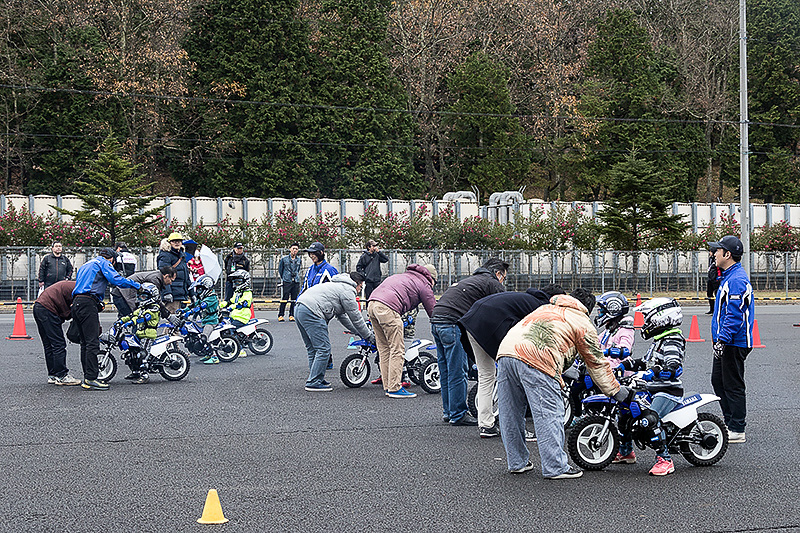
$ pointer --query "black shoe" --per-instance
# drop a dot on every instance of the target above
(132, 376)
(527, 468)
(711, 312)
(445, 419)
(466, 420)
(572, 473)
(488, 433)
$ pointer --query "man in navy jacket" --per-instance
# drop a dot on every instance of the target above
(732, 334)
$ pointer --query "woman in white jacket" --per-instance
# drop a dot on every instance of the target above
(315, 308)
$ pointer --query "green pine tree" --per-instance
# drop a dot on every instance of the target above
(493, 152)
(635, 215)
(113, 195)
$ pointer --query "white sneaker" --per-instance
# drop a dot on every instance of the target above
(67, 380)
(735, 437)
(242, 353)
(522, 470)
(51, 380)
(530, 436)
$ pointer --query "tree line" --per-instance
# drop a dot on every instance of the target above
(583, 100)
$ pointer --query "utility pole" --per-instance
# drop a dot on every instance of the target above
(744, 143)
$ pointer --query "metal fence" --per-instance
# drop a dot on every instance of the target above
(646, 272)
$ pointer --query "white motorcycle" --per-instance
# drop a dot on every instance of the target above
(163, 356)
(253, 335)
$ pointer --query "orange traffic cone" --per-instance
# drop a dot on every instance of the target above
(756, 336)
(694, 331)
(212, 510)
(638, 299)
(252, 312)
(638, 320)
(19, 332)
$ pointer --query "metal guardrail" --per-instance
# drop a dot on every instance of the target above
(646, 272)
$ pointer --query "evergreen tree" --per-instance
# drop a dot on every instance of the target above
(256, 51)
(632, 86)
(635, 215)
(112, 195)
(774, 96)
(493, 152)
(367, 151)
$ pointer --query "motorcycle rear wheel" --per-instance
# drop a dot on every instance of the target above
(696, 453)
(260, 342)
(415, 369)
(227, 347)
(430, 377)
(586, 449)
(175, 365)
(352, 372)
(107, 366)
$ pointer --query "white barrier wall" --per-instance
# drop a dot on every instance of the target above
(209, 211)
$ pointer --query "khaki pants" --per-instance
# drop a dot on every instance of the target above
(388, 328)
(486, 379)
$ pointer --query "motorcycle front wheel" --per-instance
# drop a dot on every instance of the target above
(107, 366)
(707, 440)
(260, 342)
(227, 347)
(354, 370)
(589, 447)
(175, 365)
(414, 368)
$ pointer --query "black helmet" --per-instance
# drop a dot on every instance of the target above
(204, 286)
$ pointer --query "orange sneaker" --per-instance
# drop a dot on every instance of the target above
(280, 319)
(291, 319)
(627, 459)
(662, 468)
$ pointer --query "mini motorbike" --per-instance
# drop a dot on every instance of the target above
(700, 437)
(222, 339)
(163, 356)
(253, 335)
(420, 365)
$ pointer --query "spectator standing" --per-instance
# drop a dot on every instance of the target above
(320, 271)
(369, 264)
(236, 260)
(712, 284)
(732, 333)
(530, 361)
(172, 255)
(125, 300)
(90, 287)
(454, 304)
(54, 267)
(396, 296)
(289, 270)
(50, 310)
(193, 260)
(483, 328)
(315, 308)
(126, 261)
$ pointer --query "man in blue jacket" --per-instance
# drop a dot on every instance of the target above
(321, 271)
(732, 334)
(87, 302)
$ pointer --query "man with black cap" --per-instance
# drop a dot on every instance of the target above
(321, 271)
(90, 288)
(236, 260)
(732, 334)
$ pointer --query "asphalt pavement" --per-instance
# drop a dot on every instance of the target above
(143, 457)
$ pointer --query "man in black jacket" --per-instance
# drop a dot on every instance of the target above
(369, 264)
(454, 304)
(236, 260)
(482, 330)
(55, 267)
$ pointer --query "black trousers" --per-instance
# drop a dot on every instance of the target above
(87, 315)
(370, 286)
(52, 334)
(290, 292)
(123, 309)
(727, 379)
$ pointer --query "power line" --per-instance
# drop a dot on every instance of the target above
(322, 107)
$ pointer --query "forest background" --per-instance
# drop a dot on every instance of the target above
(402, 99)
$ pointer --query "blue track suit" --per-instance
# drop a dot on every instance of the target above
(320, 273)
(90, 287)
(732, 325)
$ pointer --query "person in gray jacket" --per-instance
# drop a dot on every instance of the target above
(125, 299)
(289, 270)
(315, 308)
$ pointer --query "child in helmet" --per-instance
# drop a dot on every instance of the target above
(662, 366)
(241, 300)
(616, 341)
(208, 308)
(145, 324)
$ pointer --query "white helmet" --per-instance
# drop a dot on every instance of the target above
(660, 314)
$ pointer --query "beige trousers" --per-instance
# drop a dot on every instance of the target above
(388, 328)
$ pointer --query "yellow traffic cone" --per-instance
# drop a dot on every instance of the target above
(212, 510)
